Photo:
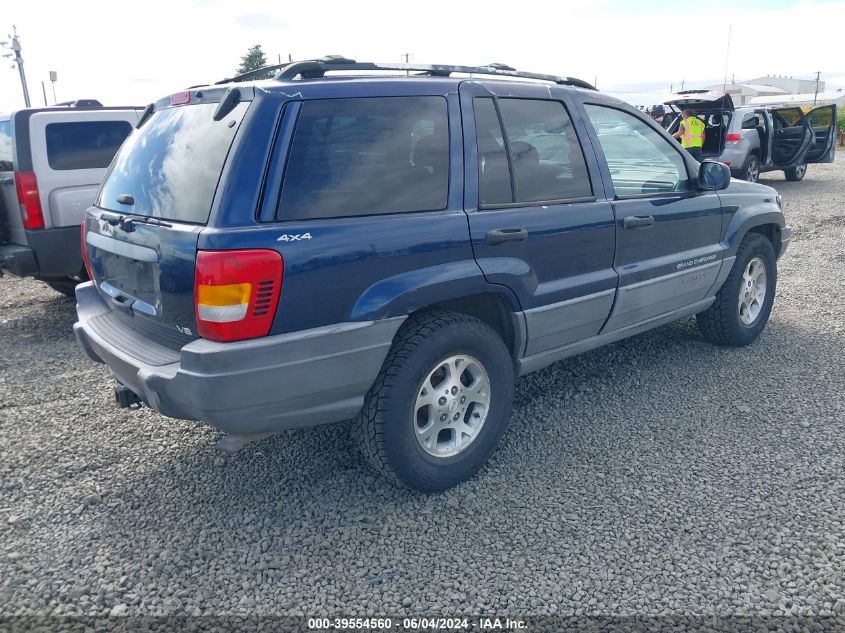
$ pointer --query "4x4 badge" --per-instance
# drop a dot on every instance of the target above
(290, 237)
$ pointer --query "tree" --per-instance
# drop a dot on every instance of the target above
(254, 58)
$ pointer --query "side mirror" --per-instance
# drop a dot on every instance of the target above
(713, 175)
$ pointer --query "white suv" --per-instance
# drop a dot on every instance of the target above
(752, 140)
(52, 161)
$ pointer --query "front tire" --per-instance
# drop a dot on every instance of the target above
(745, 300)
(440, 404)
(794, 174)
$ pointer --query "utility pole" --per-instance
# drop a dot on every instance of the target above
(683, 81)
(15, 47)
(407, 58)
(727, 56)
(44, 92)
(816, 96)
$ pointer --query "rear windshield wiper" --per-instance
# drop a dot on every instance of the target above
(125, 222)
(144, 219)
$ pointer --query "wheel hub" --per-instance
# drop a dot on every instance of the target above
(752, 291)
(452, 405)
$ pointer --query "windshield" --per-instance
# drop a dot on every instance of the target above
(172, 164)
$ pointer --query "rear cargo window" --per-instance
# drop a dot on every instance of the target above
(84, 144)
(171, 165)
(6, 146)
(365, 156)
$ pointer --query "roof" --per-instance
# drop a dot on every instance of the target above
(765, 88)
(755, 87)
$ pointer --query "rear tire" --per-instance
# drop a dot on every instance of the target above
(794, 174)
(745, 300)
(751, 169)
(440, 404)
(65, 285)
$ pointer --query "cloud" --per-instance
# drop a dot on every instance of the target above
(260, 21)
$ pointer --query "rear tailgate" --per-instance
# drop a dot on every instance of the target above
(70, 154)
(141, 234)
(702, 100)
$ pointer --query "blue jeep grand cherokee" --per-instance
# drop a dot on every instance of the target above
(398, 248)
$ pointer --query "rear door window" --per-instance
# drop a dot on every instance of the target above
(6, 146)
(366, 156)
(787, 117)
(172, 164)
(750, 122)
(494, 174)
(548, 164)
(84, 144)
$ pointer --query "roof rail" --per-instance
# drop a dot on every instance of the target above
(316, 68)
(252, 74)
(81, 103)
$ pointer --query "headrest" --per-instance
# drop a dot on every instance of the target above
(525, 153)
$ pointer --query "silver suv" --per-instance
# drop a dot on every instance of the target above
(52, 161)
(752, 140)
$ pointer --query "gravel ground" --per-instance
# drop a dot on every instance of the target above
(659, 476)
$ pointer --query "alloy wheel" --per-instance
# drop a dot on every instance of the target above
(451, 406)
(753, 172)
(752, 291)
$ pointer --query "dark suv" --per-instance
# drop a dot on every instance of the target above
(399, 248)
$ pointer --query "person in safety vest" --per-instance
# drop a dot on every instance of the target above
(691, 134)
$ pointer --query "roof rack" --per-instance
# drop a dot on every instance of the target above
(80, 103)
(316, 68)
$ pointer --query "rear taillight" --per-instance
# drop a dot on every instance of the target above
(84, 250)
(236, 293)
(733, 138)
(26, 187)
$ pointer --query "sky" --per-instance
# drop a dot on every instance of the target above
(133, 53)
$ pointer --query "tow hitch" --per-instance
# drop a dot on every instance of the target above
(126, 398)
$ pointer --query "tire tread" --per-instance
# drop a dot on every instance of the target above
(410, 337)
(715, 322)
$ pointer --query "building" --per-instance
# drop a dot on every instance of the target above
(804, 100)
(770, 86)
(742, 93)
(789, 84)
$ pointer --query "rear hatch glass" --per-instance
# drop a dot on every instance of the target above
(172, 164)
(141, 236)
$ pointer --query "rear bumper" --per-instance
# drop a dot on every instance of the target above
(47, 253)
(257, 386)
(18, 260)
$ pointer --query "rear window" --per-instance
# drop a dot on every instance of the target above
(6, 146)
(171, 165)
(84, 144)
(365, 156)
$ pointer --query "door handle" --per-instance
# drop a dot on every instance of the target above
(638, 221)
(500, 236)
